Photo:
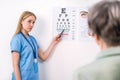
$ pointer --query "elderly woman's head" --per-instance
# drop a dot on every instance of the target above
(104, 21)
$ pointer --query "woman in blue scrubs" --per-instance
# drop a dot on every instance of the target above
(25, 49)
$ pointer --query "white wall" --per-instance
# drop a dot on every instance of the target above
(68, 55)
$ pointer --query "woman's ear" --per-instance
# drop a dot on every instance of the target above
(97, 39)
(100, 42)
(22, 22)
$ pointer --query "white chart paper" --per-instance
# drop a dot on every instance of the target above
(74, 22)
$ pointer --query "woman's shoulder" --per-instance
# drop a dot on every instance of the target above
(16, 37)
(31, 36)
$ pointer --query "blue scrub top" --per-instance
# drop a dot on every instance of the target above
(20, 44)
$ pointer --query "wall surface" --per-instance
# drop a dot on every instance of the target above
(67, 56)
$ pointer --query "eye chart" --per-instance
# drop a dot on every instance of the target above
(73, 21)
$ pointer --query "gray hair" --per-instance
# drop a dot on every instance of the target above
(104, 20)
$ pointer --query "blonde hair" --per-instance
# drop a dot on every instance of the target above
(24, 15)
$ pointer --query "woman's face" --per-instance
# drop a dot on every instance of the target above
(28, 23)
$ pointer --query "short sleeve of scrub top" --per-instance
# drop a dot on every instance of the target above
(15, 44)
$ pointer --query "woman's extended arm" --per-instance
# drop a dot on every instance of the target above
(45, 55)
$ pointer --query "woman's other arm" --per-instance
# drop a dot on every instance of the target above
(15, 59)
